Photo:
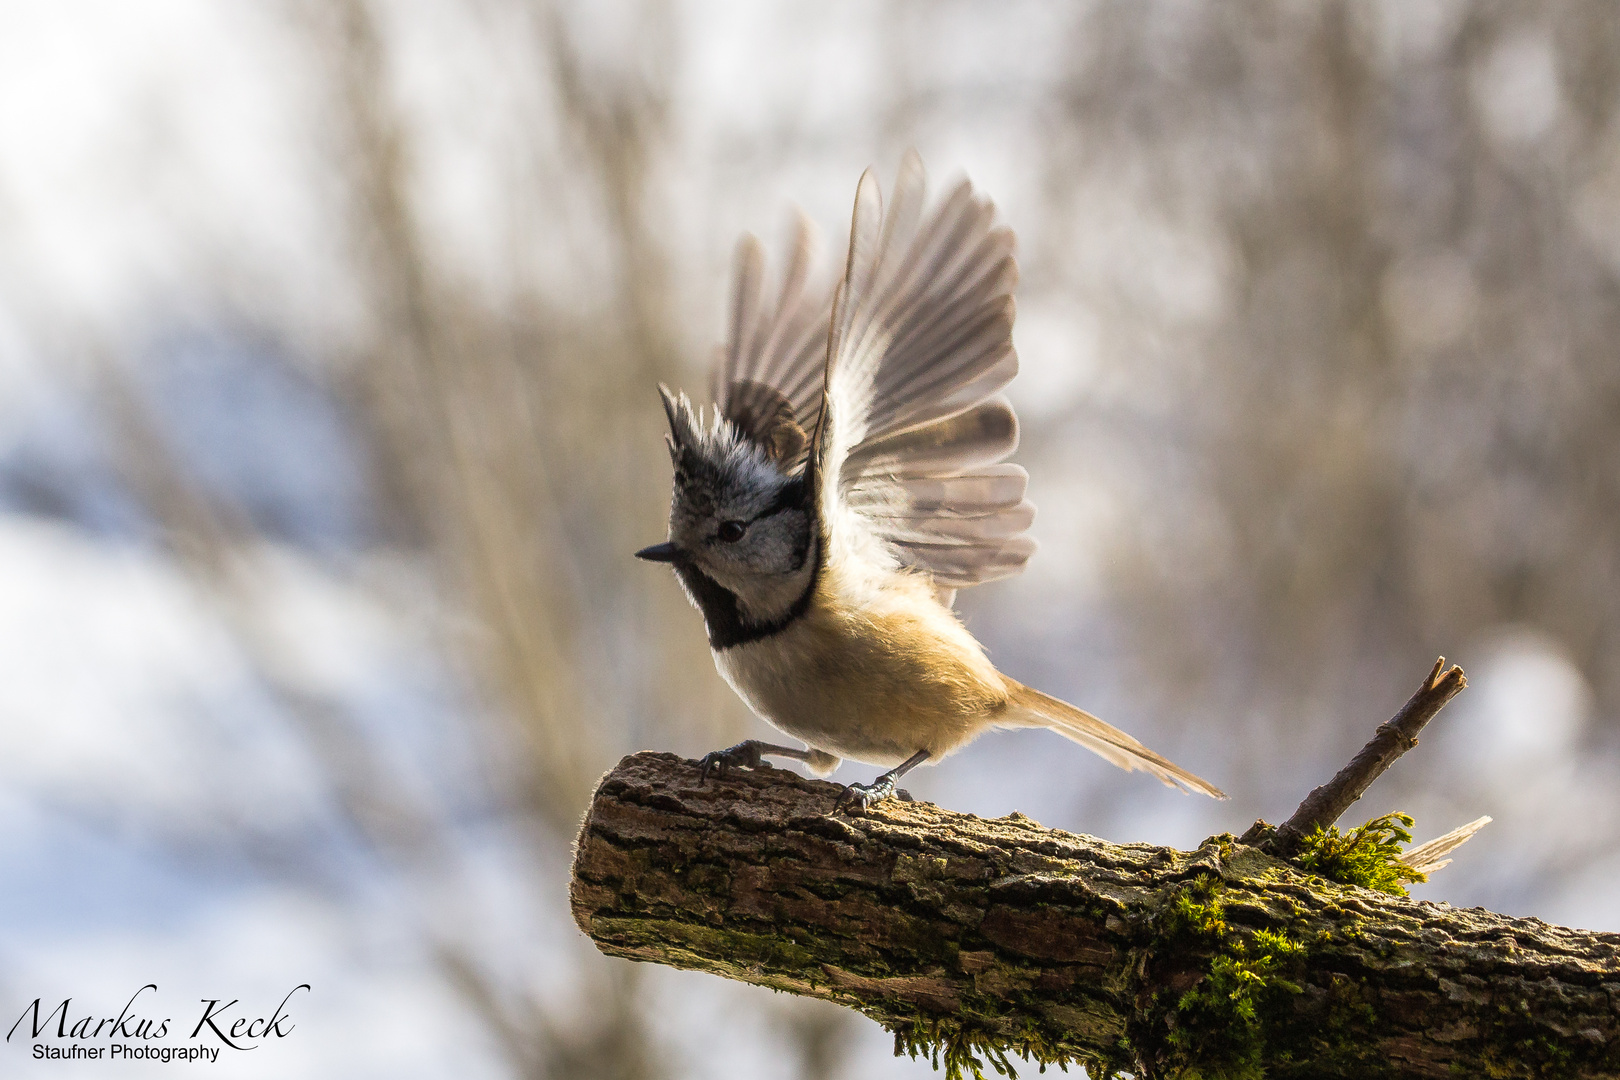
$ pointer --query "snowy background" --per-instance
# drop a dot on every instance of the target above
(328, 339)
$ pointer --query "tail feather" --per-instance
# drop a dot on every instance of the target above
(1031, 708)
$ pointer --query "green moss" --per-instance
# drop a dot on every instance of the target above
(963, 1049)
(1220, 1024)
(1196, 911)
(1368, 856)
(1514, 1048)
(1242, 1021)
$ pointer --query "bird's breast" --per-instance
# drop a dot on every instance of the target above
(875, 681)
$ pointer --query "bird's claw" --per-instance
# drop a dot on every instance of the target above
(864, 796)
(744, 755)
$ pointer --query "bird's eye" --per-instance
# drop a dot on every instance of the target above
(731, 531)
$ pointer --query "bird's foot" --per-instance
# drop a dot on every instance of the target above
(744, 755)
(863, 796)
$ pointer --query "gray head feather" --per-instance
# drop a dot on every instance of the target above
(735, 514)
(715, 456)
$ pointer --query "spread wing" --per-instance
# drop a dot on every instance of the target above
(906, 461)
(771, 369)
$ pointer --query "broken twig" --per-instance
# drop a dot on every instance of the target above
(1323, 806)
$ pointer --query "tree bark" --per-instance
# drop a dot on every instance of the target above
(972, 937)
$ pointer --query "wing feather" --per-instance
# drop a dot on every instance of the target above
(893, 379)
(981, 435)
(913, 426)
(772, 367)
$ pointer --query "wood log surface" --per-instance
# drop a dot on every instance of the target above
(971, 939)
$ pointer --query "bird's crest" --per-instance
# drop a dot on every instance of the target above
(711, 453)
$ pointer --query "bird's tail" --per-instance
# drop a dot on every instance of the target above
(1031, 708)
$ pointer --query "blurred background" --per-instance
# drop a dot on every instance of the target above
(328, 341)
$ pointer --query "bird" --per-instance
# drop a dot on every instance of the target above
(850, 478)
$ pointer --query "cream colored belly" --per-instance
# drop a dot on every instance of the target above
(876, 688)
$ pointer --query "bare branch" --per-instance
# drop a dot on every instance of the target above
(1324, 805)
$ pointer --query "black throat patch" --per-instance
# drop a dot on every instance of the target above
(723, 617)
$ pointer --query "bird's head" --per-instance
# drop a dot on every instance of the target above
(735, 515)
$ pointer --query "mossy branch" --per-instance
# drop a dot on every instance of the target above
(977, 940)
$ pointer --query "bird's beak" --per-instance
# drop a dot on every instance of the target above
(664, 552)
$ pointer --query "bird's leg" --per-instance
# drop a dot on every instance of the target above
(865, 795)
(745, 754)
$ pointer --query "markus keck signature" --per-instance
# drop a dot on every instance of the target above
(136, 1033)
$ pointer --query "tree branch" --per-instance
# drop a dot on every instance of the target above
(963, 935)
(1324, 805)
